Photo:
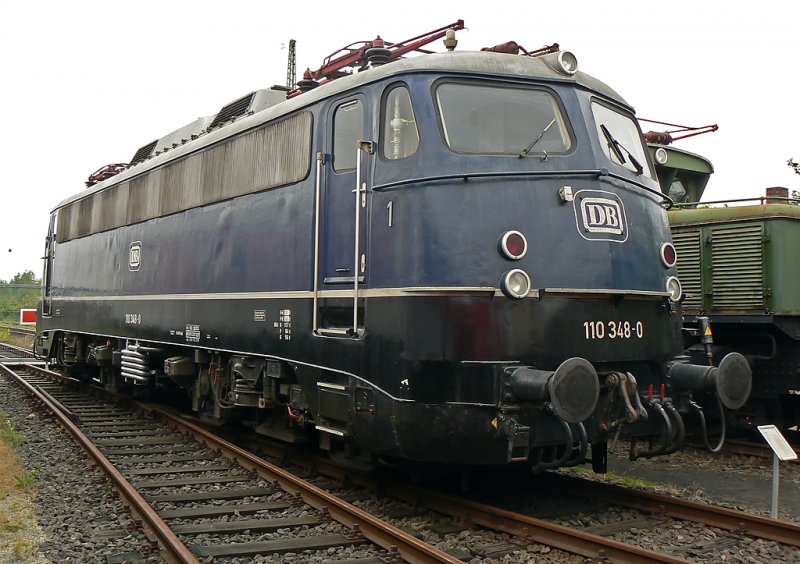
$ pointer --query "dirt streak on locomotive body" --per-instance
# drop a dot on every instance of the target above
(459, 257)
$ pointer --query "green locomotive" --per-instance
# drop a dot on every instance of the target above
(739, 264)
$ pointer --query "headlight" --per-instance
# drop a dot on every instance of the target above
(513, 245)
(674, 288)
(568, 62)
(515, 284)
(562, 61)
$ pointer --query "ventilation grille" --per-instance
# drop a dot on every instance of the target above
(690, 272)
(275, 155)
(737, 261)
(143, 153)
(232, 110)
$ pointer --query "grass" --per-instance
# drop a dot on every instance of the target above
(27, 479)
(25, 341)
(8, 434)
(19, 533)
(611, 477)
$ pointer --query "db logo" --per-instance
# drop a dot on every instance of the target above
(600, 216)
(135, 256)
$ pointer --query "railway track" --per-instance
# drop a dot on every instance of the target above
(157, 466)
(573, 497)
(752, 447)
(13, 354)
(206, 504)
(16, 330)
(761, 450)
(175, 482)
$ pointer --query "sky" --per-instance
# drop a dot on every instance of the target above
(86, 83)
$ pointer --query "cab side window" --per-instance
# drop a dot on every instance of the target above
(348, 127)
(400, 134)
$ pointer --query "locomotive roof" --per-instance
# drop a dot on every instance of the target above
(729, 214)
(474, 63)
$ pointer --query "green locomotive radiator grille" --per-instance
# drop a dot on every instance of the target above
(737, 261)
(687, 244)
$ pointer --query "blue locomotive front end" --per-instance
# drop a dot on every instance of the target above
(455, 258)
(521, 297)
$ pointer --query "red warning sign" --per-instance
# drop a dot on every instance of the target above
(27, 317)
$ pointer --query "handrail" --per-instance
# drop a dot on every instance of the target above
(762, 200)
(666, 201)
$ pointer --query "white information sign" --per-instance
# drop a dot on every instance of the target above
(780, 446)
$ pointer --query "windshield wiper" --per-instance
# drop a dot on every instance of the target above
(618, 147)
(527, 149)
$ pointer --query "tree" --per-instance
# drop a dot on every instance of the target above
(27, 277)
(14, 299)
(794, 165)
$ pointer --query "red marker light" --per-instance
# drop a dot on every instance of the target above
(669, 256)
(513, 245)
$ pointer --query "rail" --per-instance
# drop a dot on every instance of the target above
(388, 537)
(14, 330)
(375, 530)
(762, 527)
(173, 550)
(529, 528)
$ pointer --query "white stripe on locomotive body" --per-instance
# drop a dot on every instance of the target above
(365, 293)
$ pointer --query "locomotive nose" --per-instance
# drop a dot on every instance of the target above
(732, 380)
(572, 389)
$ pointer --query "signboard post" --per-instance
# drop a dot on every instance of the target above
(781, 450)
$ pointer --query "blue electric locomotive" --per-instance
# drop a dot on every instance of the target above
(459, 257)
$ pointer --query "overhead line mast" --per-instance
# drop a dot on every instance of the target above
(291, 69)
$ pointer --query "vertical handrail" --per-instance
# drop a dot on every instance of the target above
(47, 277)
(357, 237)
(315, 320)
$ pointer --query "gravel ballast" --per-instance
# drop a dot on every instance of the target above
(79, 518)
(82, 522)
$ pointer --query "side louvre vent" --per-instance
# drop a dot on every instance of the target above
(690, 273)
(232, 110)
(276, 154)
(143, 153)
(737, 262)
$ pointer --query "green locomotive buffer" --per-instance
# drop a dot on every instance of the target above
(739, 264)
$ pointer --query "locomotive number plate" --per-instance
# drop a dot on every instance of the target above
(595, 330)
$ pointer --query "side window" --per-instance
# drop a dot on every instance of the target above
(348, 127)
(400, 134)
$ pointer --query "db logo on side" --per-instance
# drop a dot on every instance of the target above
(135, 256)
(600, 216)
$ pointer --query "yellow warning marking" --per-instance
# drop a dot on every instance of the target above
(708, 331)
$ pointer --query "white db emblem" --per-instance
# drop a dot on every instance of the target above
(600, 216)
(135, 256)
